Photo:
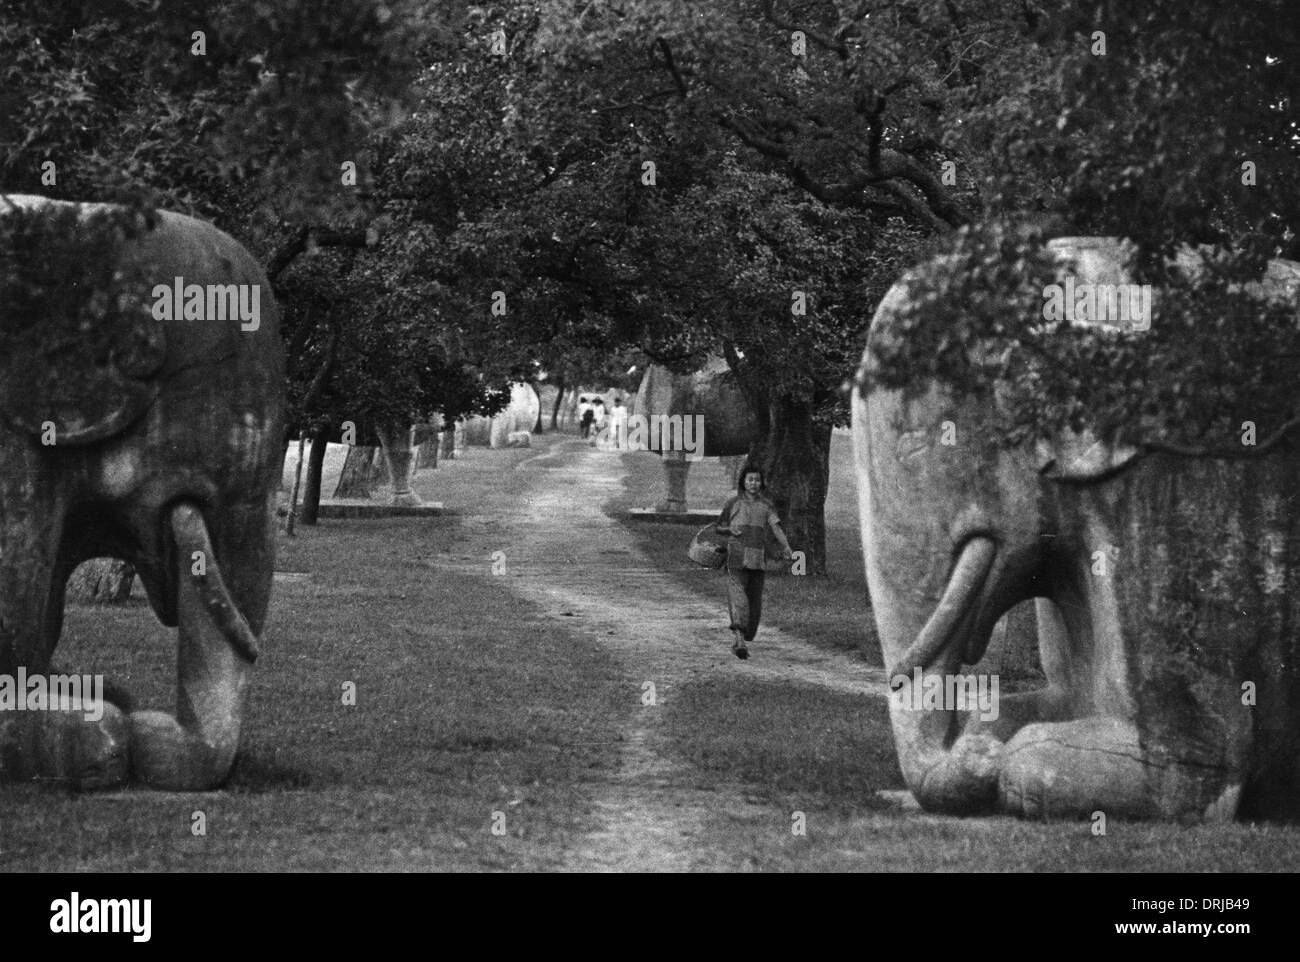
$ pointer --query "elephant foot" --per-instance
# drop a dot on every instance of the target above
(167, 757)
(1224, 808)
(670, 507)
(76, 746)
(963, 780)
(408, 499)
(1016, 711)
(1072, 769)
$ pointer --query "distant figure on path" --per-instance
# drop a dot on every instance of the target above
(618, 423)
(598, 409)
(747, 518)
(585, 416)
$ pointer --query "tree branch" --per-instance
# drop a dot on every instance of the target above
(1235, 454)
(662, 44)
(318, 382)
(301, 238)
(835, 45)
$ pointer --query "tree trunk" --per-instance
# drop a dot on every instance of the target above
(430, 440)
(428, 453)
(676, 470)
(732, 466)
(447, 442)
(297, 486)
(559, 399)
(1013, 645)
(101, 581)
(425, 437)
(315, 466)
(363, 471)
(795, 456)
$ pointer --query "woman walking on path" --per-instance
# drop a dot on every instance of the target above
(747, 518)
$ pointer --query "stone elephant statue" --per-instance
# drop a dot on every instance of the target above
(712, 393)
(153, 433)
(519, 415)
(1166, 595)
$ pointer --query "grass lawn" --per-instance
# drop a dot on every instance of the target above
(464, 707)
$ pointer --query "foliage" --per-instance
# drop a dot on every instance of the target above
(250, 132)
(524, 174)
(1147, 141)
(779, 168)
(389, 366)
(113, 93)
(974, 320)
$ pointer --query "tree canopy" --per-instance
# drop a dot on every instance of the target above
(578, 187)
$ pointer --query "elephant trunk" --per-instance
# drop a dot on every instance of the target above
(964, 585)
(961, 776)
(195, 749)
(194, 546)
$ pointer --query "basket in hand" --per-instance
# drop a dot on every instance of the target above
(707, 548)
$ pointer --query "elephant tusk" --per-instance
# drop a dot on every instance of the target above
(964, 585)
(191, 534)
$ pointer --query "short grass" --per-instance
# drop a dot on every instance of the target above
(795, 745)
(465, 706)
(830, 611)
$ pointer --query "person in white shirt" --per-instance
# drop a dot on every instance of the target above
(618, 423)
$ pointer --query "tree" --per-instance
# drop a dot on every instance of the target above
(363, 356)
(239, 114)
(896, 123)
(665, 178)
(257, 118)
(1171, 124)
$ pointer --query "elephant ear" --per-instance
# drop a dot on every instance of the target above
(78, 341)
(1080, 456)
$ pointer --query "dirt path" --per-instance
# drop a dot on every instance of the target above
(582, 568)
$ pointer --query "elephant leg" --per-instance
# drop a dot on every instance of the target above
(51, 729)
(396, 444)
(1094, 760)
(1072, 769)
(194, 750)
(1051, 703)
(946, 770)
(1054, 763)
(31, 532)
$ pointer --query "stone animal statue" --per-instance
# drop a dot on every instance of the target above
(711, 392)
(153, 433)
(1168, 595)
(519, 415)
